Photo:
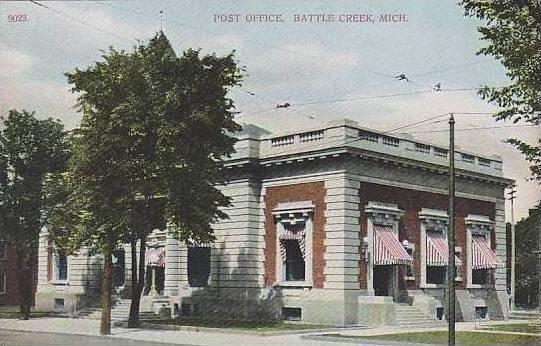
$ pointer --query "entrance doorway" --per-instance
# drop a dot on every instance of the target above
(154, 280)
(383, 279)
(119, 268)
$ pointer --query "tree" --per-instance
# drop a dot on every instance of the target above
(156, 128)
(513, 36)
(527, 230)
(29, 150)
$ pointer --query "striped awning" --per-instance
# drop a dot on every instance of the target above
(387, 248)
(437, 250)
(294, 233)
(155, 256)
(482, 255)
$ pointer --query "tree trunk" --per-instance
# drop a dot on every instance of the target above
(137, 283)
(105, 325)
(25, 288)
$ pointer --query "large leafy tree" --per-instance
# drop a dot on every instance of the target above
(513, 36)
(527, 230)
(29, 150)
(154, 131)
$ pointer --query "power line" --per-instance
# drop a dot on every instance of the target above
(63, 14)
(384, 96)
(476, 128)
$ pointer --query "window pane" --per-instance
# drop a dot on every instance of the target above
(294, 263)
(435, 275)
(2, 249)
(480, 276)
(198, 266)
(61, 267)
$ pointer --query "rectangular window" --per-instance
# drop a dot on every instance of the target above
(198, 266)
(409, 268)
(3, 251)
(61, 267)
(480, 276)
(294, 263)
(291, 314)
(481, 312)
(435, 275)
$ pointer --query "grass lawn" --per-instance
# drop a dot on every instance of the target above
(462, 338)
(16, 314)
(516, 327)
(257, 326)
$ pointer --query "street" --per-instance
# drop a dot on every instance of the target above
(18, 338)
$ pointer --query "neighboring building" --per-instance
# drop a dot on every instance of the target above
(334, 225)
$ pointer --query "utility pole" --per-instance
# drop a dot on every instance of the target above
(513, 247)
(451, 236)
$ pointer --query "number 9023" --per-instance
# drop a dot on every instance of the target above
(14, 18)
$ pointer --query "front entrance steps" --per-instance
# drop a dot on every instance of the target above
(411, 316)
(533, 314)
(120, 311)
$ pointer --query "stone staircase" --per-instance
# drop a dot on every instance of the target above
(525, 315)
(119, 312)
(410, 316)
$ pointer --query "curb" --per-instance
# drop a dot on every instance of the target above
(155, 326)
(359, 341)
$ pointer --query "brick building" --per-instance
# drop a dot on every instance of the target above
(338, 225)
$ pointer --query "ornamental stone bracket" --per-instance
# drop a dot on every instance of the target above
(479, 223)
(293, 212)
(434, 219)
(157, 238)
(383, 213)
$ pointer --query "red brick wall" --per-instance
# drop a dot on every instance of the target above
(314, 192)
(411, 202)
(11, 296)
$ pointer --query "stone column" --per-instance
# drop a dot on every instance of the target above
(172, 266)
(342, 244)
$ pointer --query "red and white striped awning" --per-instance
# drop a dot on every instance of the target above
(295, 233)
(387, 248)
(437, 250)
(482, 255)
(155, 256)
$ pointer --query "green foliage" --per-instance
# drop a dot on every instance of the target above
(513, 36)
(527, 235)
(153, 135)
(30, 149)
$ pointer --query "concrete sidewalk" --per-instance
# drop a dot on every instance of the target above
(91, 327)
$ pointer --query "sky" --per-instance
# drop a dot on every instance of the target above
(340, 68)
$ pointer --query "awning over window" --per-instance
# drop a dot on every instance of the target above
(482, 255)
(437, 250)
(155, 256)
(387, 248)
(295, 233)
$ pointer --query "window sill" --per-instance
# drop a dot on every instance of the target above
(60, 282)
(480, 286)
(434, 286)
(409, 278)
(294, 284)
